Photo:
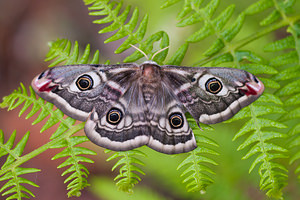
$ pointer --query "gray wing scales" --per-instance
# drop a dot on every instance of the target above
(164, 137)
(130, 132)
(111, 100)
(59, 85)
(114, 92)
(123, 114)
(212, 95)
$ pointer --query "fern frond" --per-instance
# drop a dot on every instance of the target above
(110, 12)
(260, 141)
(63, 140)
(61, 51)
(289, 62)
(196, 172)
(279, 9)
(192, 13)
(129, 167)
(196, 166)
(134, 31)
(29, 99)
(223, 49)
(272, 174)
(14, 185)
(79, 173)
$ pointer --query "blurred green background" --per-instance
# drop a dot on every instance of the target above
(25, 29)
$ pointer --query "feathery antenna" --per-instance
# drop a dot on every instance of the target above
(140, 51)
(159, 52)
(146, 54)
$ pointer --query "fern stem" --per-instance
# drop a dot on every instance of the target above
(237, 45)
(115, 18)
(197, 170)
(32, 99)
(19, 191)
(262, 144)
(122, 26)
(291, 25)
(74, 157)
(259, 34)
(209, 21)
(43, 148)
(129, 168)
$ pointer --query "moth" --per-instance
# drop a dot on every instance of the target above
(126, 106)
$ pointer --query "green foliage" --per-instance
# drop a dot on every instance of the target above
(11, 172)
(196, 168)
(62, 136)
(62, 51)
(225, 49)
(262, 142)
(78, 178)
(111, 13)
(193, 12)
(197, 174)
(128, 168)
(104, 188)
(288, 61)
(134, 31)
(264, 124)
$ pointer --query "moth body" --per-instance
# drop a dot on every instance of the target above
(126, 106)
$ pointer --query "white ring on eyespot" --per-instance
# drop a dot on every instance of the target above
(95, 78)
(202, 82)
(164, 124)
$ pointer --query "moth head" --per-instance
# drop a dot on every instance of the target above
(150, 70)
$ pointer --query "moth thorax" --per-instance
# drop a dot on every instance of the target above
(151, 71)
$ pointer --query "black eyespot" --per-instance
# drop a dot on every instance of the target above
(193, 80)
(114, 116)
(176, 120)
(84, 82)
(255, 79)
(213, 85)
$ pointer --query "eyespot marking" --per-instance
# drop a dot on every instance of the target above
(84, 82)
(176, 120)
(114, 116)
(213, 85)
